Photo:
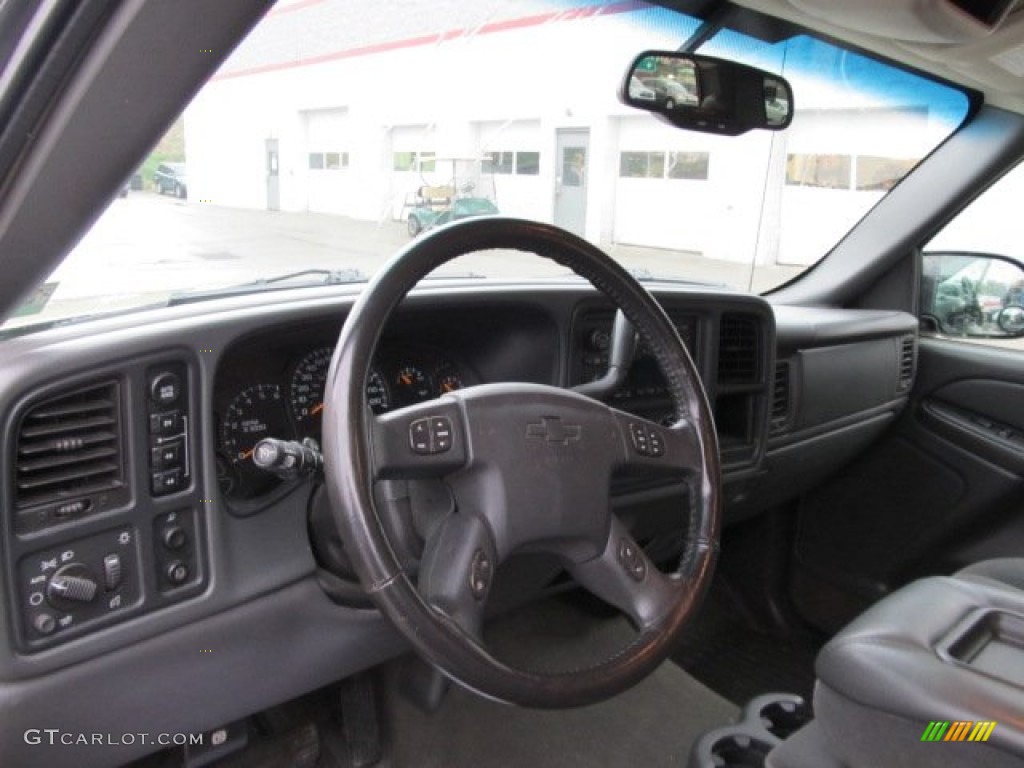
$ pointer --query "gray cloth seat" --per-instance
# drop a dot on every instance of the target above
(939, 649)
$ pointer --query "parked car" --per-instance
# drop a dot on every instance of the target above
(670, 93)
(671, 463)
(170, 179)
(640, 91)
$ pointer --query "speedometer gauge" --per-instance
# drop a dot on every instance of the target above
(255, 413)
(307, 390)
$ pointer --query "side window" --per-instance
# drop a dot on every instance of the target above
(973, 270)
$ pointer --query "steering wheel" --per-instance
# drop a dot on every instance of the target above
(528, 466)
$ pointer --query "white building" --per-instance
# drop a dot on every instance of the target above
(332, 123)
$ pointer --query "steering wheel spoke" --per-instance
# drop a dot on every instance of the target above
(423, 440)
(457, 570)
(623, 576)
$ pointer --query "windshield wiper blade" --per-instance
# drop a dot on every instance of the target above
(328, 277)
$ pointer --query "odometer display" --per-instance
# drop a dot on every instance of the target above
(255, 413)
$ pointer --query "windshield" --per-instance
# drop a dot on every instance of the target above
(339, 130)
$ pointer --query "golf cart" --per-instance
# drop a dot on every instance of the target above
(467, 192)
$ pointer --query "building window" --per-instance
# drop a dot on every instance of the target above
(825, 171)
(414, 161)
(527, 163)
(499, 162)
(642, 165)
(688, 165)
(328, 161)
(882, 173)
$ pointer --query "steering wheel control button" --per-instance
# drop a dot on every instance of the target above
(440, 434)
(431, 435)
(419, 436)
(632, 560)
(178, 573)
(480, 573)
(165, 388)
(647, 441)
(113, 572)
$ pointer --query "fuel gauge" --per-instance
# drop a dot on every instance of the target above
(449, 381)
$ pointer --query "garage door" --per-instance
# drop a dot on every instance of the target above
(329, 181)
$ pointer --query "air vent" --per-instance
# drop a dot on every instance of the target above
(738, 351)
(69, 447)
(908, 363)
(781, 399)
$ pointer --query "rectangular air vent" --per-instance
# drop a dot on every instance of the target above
(739, 352)
(781, 398)
(908, 363)
(69, 447)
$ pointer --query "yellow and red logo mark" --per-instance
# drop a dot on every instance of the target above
(958, 730)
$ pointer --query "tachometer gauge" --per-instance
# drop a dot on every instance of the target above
(255, 413)
(307, 390)
(412, 385)
(377, 395)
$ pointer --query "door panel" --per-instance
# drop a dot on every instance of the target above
(944, 488)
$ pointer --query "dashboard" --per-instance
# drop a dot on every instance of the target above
(165, 539)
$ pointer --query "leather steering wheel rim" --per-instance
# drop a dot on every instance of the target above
(359, 447)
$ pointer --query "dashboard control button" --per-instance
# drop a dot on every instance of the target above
(169, 481)
(174, 537)
(71, 508)
(178, 572)
(71, 584)
(44, 624)
(165, 388)
(112, 572)
(167, 456)
(165, 423)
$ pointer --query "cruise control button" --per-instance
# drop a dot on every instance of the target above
(419, 436)
(657, 443)
(440, 434)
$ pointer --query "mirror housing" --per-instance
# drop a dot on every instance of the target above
(703, 93)
(977, 295)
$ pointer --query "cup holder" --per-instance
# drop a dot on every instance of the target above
(780, 714)
(765, 722)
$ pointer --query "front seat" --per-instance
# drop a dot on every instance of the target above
(920, 678)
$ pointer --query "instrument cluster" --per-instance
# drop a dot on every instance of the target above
(288, 403)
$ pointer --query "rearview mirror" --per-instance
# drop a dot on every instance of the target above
(973, 294)
(701, 93)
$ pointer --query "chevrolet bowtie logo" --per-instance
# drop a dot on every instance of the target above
(552, 430)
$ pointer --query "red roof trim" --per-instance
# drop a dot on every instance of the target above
(569, 14)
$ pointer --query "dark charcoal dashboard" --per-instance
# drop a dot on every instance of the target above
(136, 529)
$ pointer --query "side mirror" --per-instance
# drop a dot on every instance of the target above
(975, 295)
(702, 93)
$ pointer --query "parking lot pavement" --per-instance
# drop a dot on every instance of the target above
(148, 245)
